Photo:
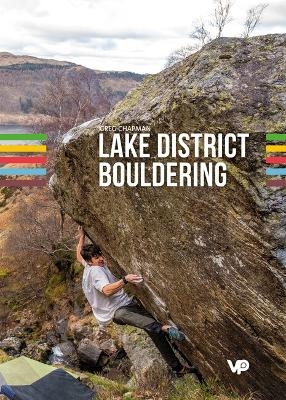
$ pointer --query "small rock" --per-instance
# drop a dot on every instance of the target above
(12, 345)
(128, 396)
(52, 338)
(108, 346)
(62, 326)
(88, 353)
(65, 354)
(37, 351)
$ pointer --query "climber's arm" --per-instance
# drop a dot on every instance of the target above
(80, 245)
(113, 288)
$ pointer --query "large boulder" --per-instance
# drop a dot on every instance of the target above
(212, 258)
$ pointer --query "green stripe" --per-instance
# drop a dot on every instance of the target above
(277, 137)
(23, 136)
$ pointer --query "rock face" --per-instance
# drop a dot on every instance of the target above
(148, 366)
(211, 257)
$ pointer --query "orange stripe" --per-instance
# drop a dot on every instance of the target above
(40, 148)
(275, 149)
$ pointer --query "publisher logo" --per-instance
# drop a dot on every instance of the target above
(239, 366)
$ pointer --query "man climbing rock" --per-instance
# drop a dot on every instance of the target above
(109, 303)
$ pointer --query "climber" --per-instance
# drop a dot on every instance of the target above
(109, 303)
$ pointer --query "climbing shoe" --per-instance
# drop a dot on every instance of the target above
(175, 334)
(184, 371)
(188, 370)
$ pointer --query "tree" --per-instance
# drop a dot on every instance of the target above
(221, 16)
(201, 34)
(179, 55)
(66, 102)
(252, 18)
(43, 231)
(25, 105)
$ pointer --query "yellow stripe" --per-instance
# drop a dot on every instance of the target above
(275, 149)
(40, 148)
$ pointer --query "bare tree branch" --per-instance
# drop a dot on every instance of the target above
(200, 33)
(221, 15)
(179, 55)
(253, 17)
(67, 101)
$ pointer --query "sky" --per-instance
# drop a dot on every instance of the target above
(120, 35)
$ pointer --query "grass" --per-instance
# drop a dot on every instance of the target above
(56, 288)
(187, 389)
(183, 389)
(4, 357)
(107, 389)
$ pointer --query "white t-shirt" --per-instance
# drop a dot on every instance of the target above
(93, 281)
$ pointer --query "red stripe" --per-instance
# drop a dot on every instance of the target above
(22, 182)
(275, 160)
(276, 183)
(23, 160)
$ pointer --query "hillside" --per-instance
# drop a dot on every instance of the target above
(23, 79)
(8, 59)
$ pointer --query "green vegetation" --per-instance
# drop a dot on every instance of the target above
(120, 74)
(187, 389)
(33, 66)
(64, 259)
(108, 389)
(239, 175)
(183, 389)
(13, 303)
(56, 288)
(5, 194)
(4, 272)
(4, 357)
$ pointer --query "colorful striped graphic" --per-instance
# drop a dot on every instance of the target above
(22, 182)
(275, 149)
(23, 136)
(23, 160)
(22, 171)
(276, 160)
(22, 148)
(29, 144)
(276, 183)
(276, 171)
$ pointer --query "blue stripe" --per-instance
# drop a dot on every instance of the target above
(275, 171)
(23, 171)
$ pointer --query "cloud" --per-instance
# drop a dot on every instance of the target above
(118, 35)
(82, 33)
(274, 16)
